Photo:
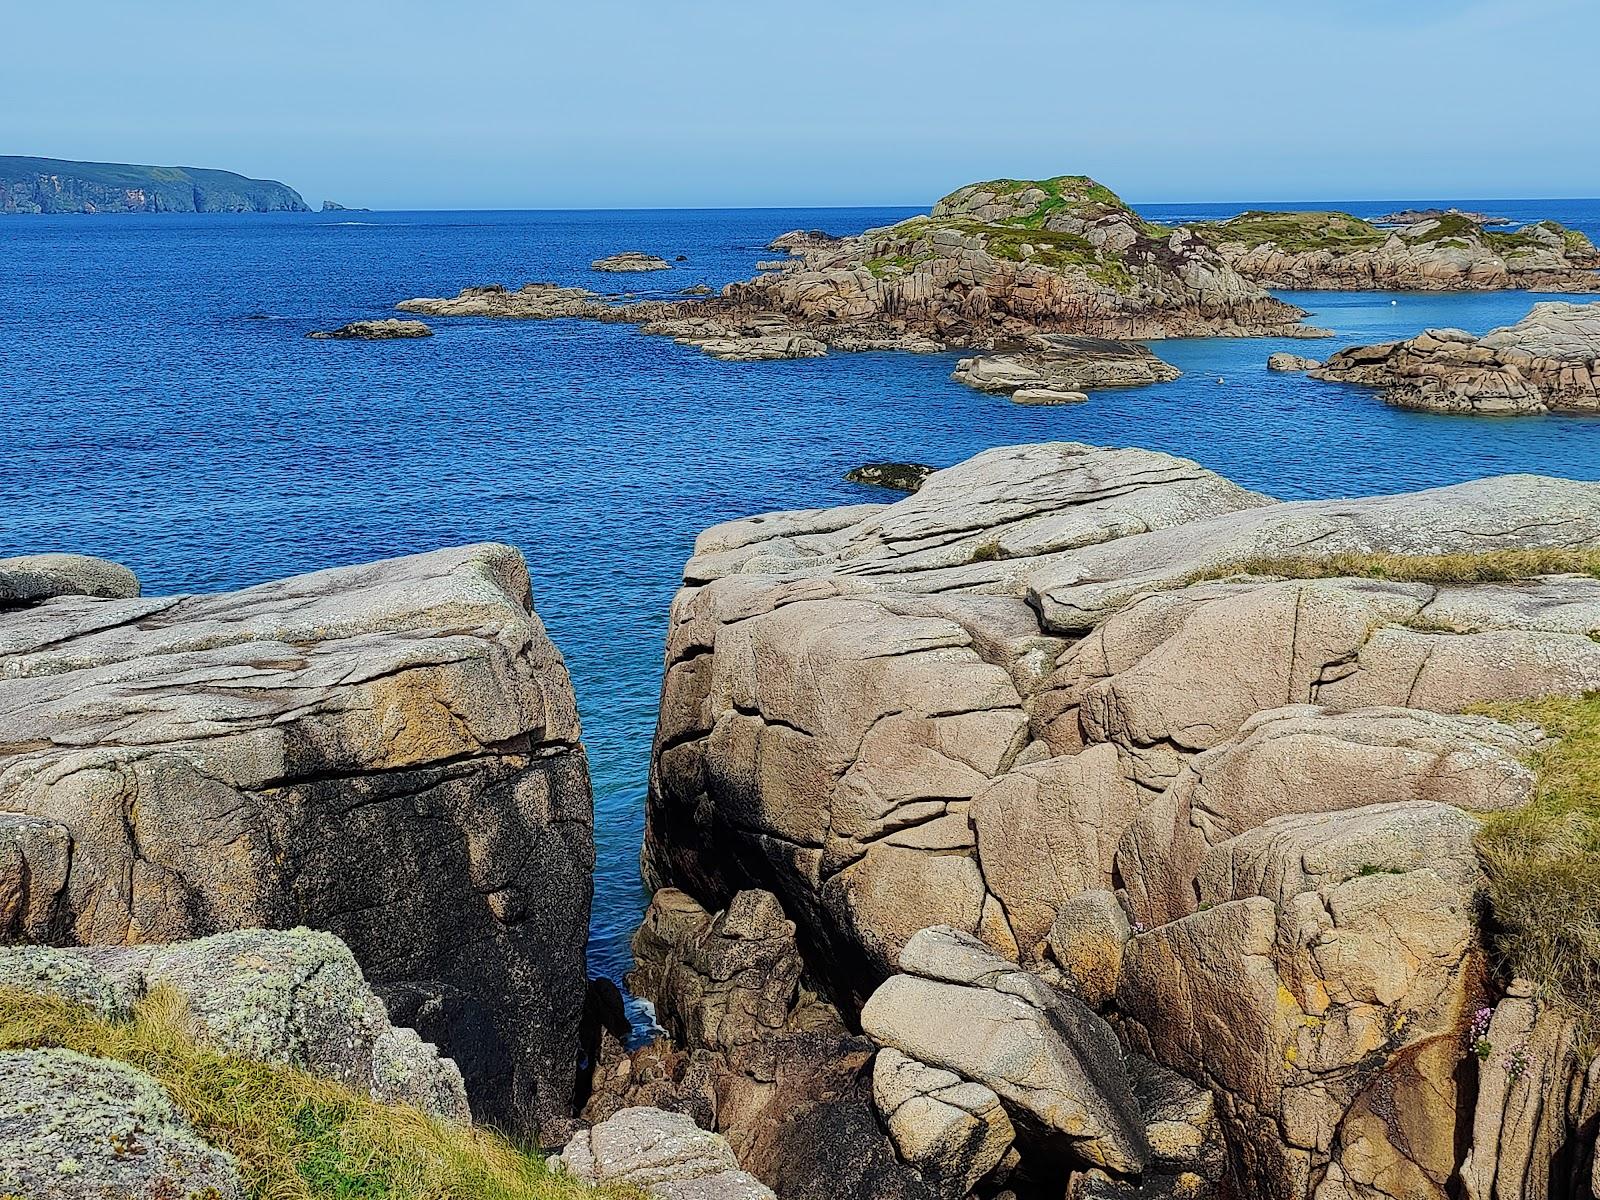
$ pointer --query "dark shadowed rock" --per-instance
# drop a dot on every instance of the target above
(374, 331)
(897, 476)
(389, 752)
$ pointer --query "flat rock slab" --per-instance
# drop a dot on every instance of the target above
(663, 1154)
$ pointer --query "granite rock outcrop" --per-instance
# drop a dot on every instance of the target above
(1547, 362)
(388, 752)
(1088, 711)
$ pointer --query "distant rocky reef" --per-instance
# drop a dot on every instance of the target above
(996, 263)
(54, 185)
(1547, 362)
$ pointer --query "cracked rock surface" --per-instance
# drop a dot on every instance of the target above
(389, 752)
(1039, 703)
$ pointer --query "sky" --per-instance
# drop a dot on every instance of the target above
(743, 103)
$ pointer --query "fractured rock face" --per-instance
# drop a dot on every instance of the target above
(293, 997)
(1055, 1063)
(1064, 364)
(1056, 702)
(318, 738)
(73, 1126)
(952, 1128)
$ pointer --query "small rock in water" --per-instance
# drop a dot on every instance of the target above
(374, 331)
(1047, 396)
(1290, 362)
(631, 260)
(902, 477)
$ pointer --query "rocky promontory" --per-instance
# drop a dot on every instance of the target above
(388, 752)
(56, 185)
(1547, 362)
(1448, 251)
(1151, 830)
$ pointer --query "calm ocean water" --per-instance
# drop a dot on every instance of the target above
(161, 406)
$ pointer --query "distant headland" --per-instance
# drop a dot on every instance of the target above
(55, 185)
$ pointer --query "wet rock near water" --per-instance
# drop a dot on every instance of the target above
(896, 476)
(35, 578)
(374, 331)
(1063, 365)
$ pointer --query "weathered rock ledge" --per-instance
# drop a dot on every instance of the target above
(1064, 364)
(388, 752)
(631, 260)
(1201, 843)
(1547, 362)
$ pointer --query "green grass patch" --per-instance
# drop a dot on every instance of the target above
(1489, 566)
(1543, 862)
(1294, 232)
(295, 1137)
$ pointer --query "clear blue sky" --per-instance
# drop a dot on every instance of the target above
(623, 103)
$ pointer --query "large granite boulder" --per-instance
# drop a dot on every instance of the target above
(955, 1130)
(294, 997)
(1547, 362)
(1102, 715)
(388, 752)
(74, 1127)
(1064, 364)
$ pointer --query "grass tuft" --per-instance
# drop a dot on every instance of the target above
(295, 1137)
(1543, 862)
(1488, 566)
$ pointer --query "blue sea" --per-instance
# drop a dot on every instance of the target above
(161, 406)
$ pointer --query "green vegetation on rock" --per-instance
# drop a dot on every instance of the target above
(295, 1137)
(1489, 566)
(1543, 862)
(1293, 232)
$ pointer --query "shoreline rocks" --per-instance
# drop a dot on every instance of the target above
(388, 752)
(374, 331)
(1291, 363)
(1226, 823)
(1547, 362)
(630, 261)
(34, 578)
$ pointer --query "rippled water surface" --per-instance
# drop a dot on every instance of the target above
(162, 406)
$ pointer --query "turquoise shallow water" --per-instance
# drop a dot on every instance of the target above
(162, 406)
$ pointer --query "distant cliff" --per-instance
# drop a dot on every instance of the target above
(54, 185)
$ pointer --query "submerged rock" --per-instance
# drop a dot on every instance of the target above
(1547, 362)
(899, 477)
(389, 752)
(375, 331)
(73, 1127)
(631, 260)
